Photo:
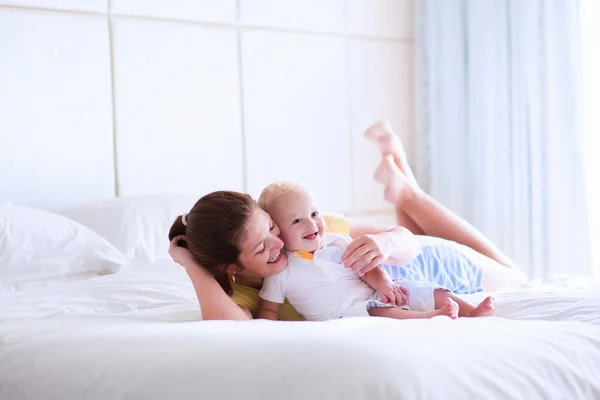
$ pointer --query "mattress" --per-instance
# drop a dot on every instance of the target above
(137, 334)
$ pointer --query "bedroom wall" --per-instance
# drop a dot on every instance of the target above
(112, 98)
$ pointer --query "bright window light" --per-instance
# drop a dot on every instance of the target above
(590, 41)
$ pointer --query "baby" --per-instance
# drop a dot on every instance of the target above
(320, 287)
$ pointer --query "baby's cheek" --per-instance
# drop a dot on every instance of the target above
(321, 225)
(288, 240)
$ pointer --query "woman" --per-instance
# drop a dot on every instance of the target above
(231, 244)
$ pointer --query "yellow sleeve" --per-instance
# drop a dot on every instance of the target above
(245, 296)
(337, 223)
(248, 297)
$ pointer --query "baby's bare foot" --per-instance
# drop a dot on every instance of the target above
(484, 309)
(450, 308)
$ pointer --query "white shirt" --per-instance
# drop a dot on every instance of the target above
(318, 285)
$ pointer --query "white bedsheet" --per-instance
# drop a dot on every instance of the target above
(137, 335)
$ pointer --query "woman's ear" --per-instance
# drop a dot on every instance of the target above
(229, 269)
(232, 269)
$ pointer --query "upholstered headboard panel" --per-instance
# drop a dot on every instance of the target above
(104, 98)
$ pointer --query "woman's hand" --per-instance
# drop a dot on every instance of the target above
(180, 255)
(393, 246)
(366, 252)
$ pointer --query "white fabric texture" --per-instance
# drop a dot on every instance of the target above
(421, 299)
(421, 294)
(137, 226)
(136, 335)
(498, 98)
(322, 288)
(38, 248)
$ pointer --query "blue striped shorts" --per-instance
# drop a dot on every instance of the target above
(443, 265)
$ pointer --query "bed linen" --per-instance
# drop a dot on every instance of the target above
(137, 334)
(38, 248)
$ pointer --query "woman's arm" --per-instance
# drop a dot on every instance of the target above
(214, 302)
(375, 245)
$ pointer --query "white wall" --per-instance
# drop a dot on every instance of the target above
(124, 97)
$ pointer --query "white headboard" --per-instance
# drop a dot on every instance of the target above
(104, 98)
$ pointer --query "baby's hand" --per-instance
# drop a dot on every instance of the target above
(390, 293)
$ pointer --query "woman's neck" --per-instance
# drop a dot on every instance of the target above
(252, 282)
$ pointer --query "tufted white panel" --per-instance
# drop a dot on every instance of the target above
(56, 141)
(387, 18)
(296, 114)
(315, 15)
(177, 100)
(380, 87)
(99, 6)
(184, 121)
(187, 10)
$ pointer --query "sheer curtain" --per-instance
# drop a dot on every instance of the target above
(499, 127)
(590, 40)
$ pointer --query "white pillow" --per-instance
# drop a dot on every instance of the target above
(137, 226)
(38, 247)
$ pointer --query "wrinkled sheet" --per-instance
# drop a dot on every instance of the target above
(137, 334)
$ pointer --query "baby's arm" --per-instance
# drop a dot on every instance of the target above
(272, 296)
(268, 310)
(376, 278)
(389, 292)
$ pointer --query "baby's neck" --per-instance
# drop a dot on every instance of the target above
(306, 251)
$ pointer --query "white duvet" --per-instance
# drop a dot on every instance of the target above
(137, 335)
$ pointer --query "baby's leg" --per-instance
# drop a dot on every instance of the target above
(465, 309)
(449, 308)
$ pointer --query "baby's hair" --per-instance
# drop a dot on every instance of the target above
(274, 191)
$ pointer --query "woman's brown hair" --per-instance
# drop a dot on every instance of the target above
(215, 229)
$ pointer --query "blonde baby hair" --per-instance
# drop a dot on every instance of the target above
(274, 191)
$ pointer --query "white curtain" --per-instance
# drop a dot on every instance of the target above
(499, 124)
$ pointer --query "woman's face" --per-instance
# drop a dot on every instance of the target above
(262, 251)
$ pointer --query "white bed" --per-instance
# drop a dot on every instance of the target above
(92, 308)
(137, 334)
(106, 99)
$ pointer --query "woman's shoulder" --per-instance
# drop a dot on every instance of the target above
(337, 223)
